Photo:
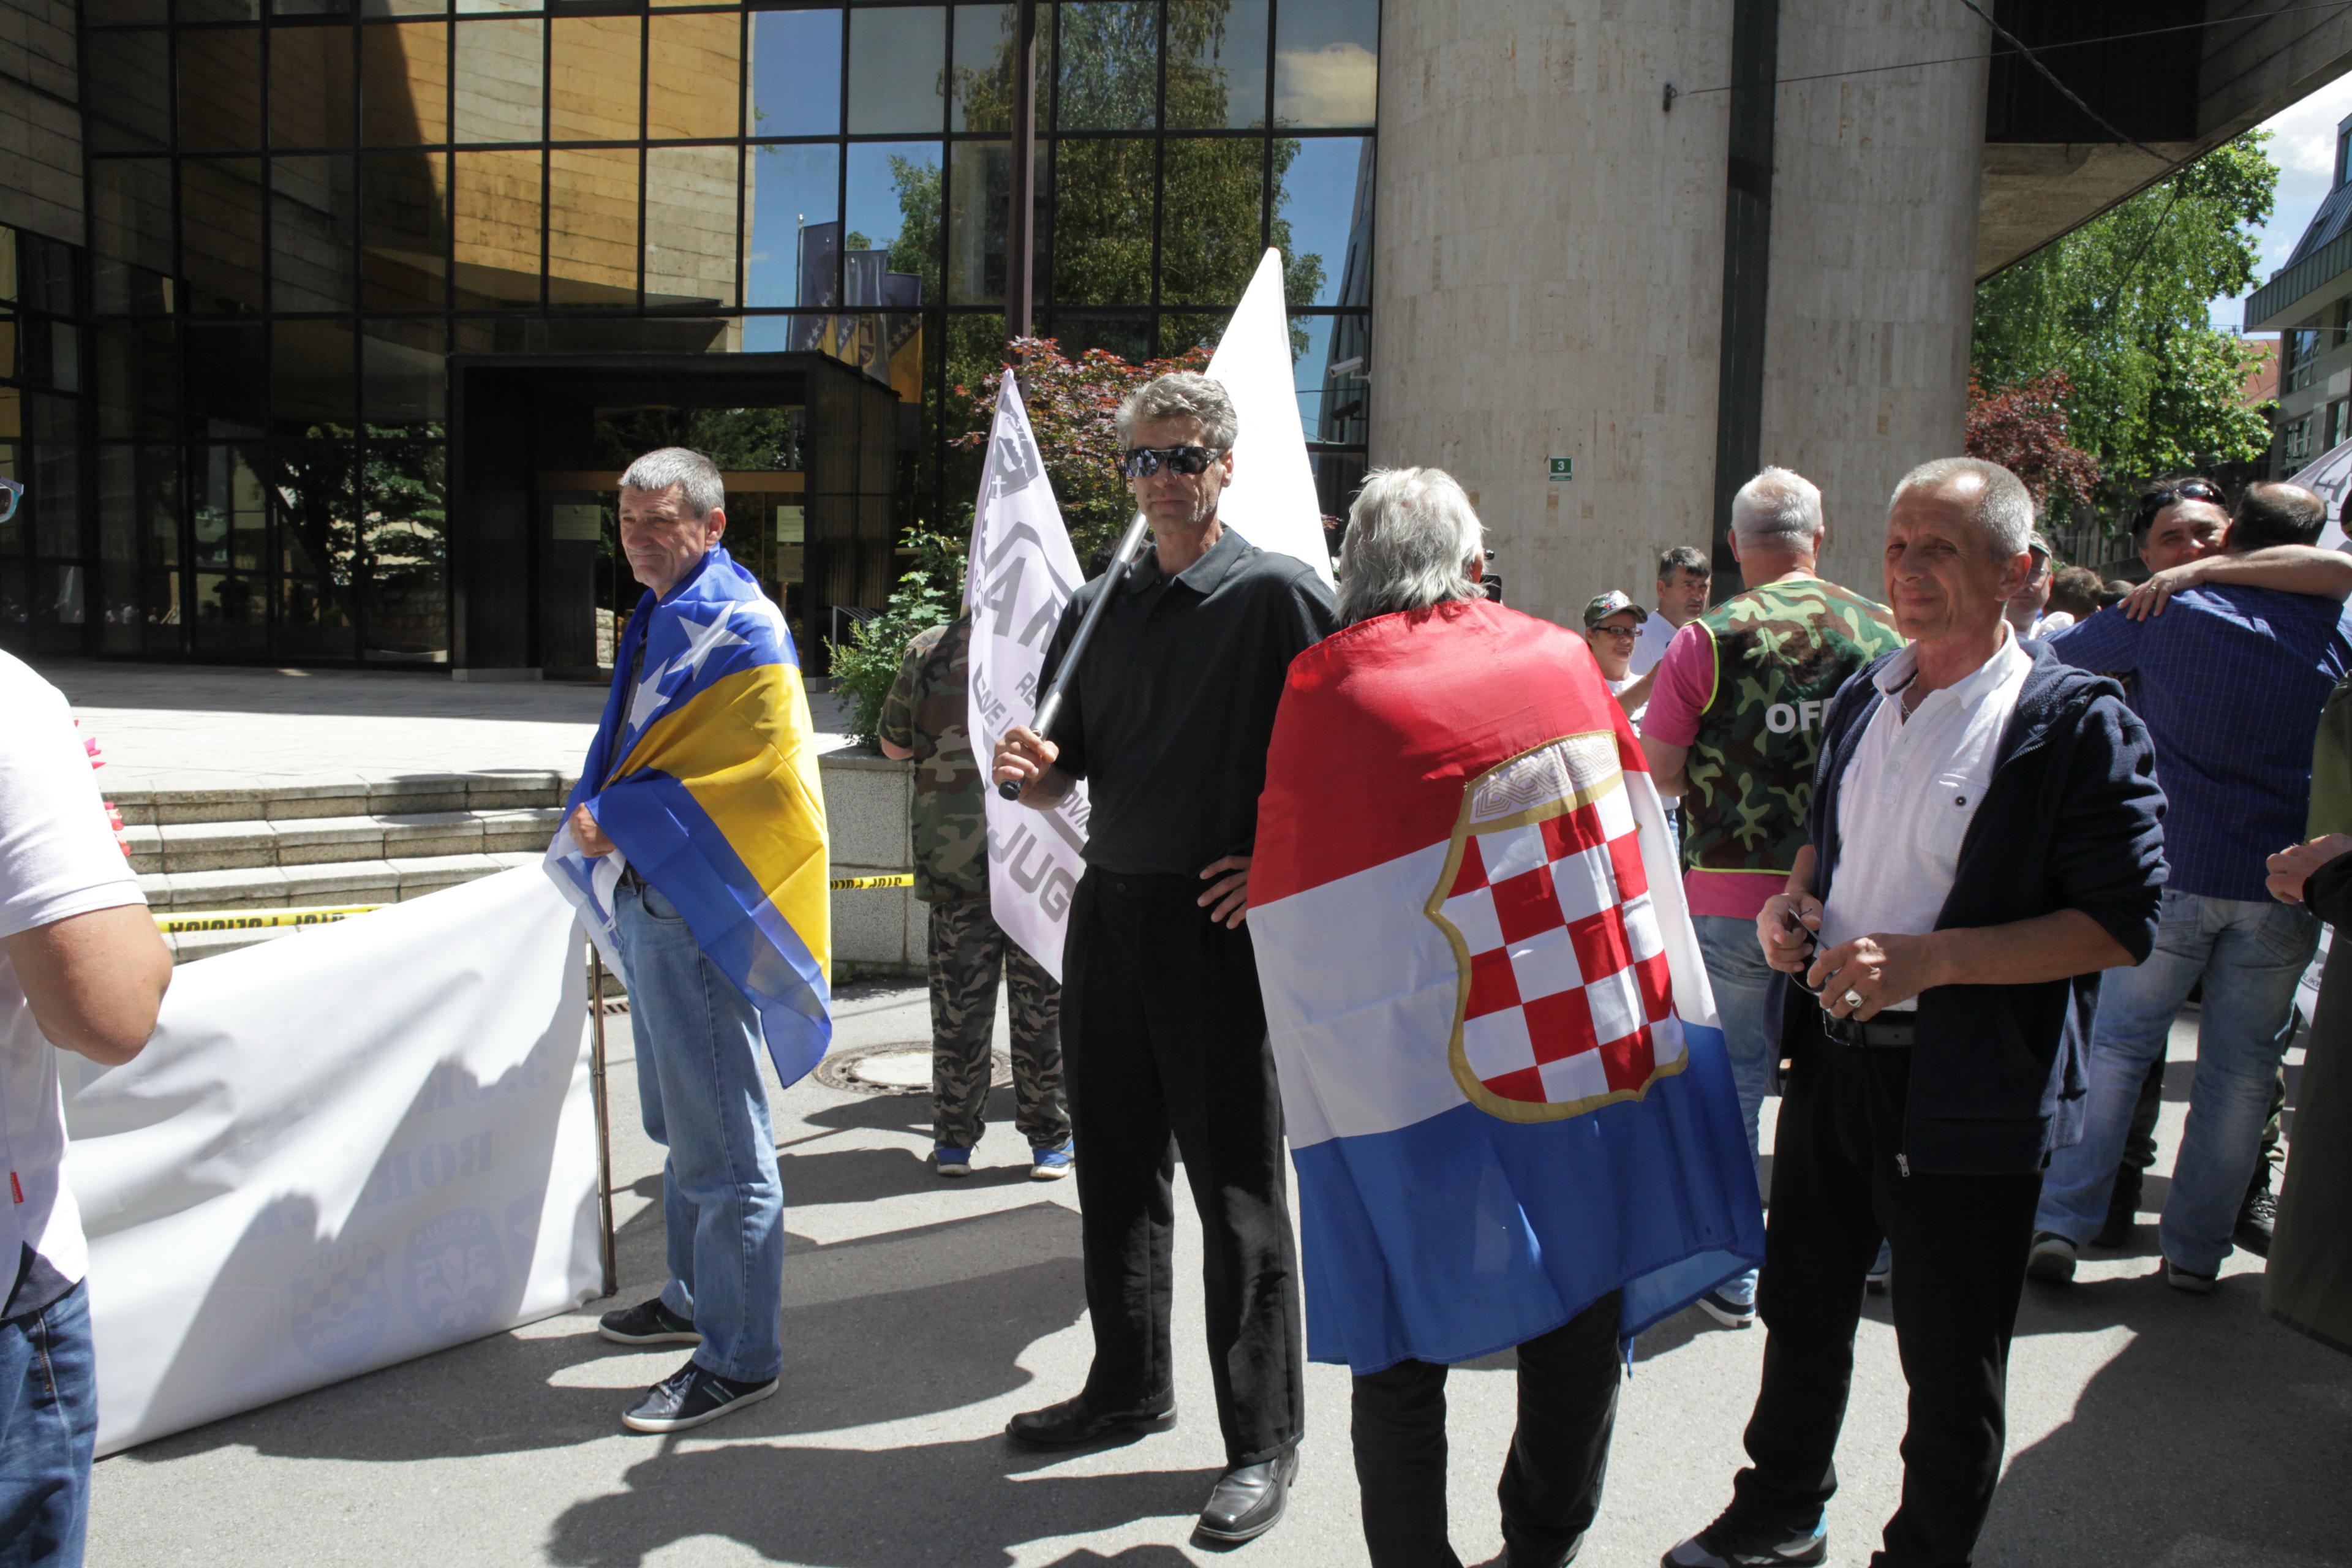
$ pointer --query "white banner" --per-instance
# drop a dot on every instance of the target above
(2330, 477)
(1022, 571)
(342, 1150)
(1272, 501)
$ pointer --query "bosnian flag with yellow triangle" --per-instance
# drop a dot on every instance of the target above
(703, 775)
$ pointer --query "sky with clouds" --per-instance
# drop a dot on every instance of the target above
(2303, 145)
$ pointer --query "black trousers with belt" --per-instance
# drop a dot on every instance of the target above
(1960, 1245)
(1164, 1048)
(1551, 1481)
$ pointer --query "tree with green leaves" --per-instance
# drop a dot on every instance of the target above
(2119, 308)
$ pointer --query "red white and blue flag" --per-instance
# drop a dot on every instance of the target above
(1504, 1088)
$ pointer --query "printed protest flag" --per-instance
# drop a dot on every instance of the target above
(1021, 573)
(703, 773)
(1271, 502)
(1504, 1088)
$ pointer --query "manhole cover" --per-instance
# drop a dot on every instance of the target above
(899, 1066)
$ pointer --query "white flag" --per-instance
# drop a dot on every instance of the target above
(1022, 573)
(1272, 501)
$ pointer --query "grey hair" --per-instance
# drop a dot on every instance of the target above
(1411, 536)
(2004, 511)
(1779, 508)
(1683, 558)
(703, 490)
(1182, 394)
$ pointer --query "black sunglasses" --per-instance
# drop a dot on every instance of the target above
(2186, 490)
(1142, 462)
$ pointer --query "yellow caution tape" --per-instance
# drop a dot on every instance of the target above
(900, 881)
(254, 920)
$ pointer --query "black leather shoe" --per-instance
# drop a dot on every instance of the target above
(1248, 1501)
(1073, 1424)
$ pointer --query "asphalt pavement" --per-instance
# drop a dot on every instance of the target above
(2148, 1429)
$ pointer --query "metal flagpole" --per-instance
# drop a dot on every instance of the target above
(603, 1115)
(1130, 547)
(1020, 227)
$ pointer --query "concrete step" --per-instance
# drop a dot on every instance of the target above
(190, 847)
(350, 795)
(385, 880)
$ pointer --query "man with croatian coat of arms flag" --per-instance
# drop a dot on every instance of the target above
(695, 852)
(1508, 1100)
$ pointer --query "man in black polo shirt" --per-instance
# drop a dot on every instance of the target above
(1167, 716)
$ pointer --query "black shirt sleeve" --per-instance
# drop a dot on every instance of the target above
(2328, 890)
(2108, 854)
(1069, 725)
(1312, 613)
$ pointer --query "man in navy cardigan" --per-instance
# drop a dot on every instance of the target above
(1985, 838)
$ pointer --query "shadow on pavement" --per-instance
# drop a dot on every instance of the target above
(2202, 1442)
(852, 1310)
(943, 1505)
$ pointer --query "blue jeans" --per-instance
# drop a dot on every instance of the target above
(48, 1427)
(699, 1086)
(1749, 994)
(2249, 954)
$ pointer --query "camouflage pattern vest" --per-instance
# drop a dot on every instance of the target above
(926, 713)
(1780, 653)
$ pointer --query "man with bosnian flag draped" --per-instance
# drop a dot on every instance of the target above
(1506, 1098)
(695, 852)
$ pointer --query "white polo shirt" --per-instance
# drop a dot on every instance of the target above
(1909, 793)
(1649, 643)
(57, 858)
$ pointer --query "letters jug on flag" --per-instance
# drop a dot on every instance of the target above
(1506, 1091)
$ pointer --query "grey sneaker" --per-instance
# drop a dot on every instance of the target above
(690, 1397)
(647, 1324)
(2188, 1281)
(1733, 1543)
(2052, 1260)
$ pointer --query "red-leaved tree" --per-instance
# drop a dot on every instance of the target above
(2023, 429)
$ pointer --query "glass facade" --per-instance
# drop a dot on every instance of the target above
(301, 214)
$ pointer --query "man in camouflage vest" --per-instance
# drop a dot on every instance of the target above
(1733, 726)
(923, 722)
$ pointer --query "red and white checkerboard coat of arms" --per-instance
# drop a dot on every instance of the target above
(1566, 1002)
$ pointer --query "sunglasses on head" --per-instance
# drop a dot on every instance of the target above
(2188, 489)
(1142, 462)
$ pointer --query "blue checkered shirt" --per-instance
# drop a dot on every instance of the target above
(2231, 681)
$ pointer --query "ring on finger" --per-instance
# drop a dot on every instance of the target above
(1853, 998)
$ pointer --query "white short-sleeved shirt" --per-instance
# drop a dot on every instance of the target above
(57, 858)
(1910, 791)
(1650, 645)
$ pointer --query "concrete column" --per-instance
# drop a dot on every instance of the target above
(1875, 199)
(1549, 267)
(1548, 274)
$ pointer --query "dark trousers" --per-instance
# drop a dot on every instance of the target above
(1959, 1265)
(1164, 1046)
(1560, 1452)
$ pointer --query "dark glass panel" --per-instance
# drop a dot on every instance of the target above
(310, 86)
(592, 227)
(59, 610)
(404, 378)
(1128, 336)
(795, 77)
(220, 89)
(403, 552)
(312, 266)
(231, 531)
(1102, 222)
(1211, 225)
(501, 79)
(312, 392)
(498, 230)
(1181, 334)
(53, 496)
(404, 231)
(128, 108)
(404, 84)
(138, 543)
(694, 76)
(1339, 476)
(1343, 368)
(1323, 217)
(1109, 67)
(893, 223)
(219, 11)
(405, 7)
(227, 369)
(898, 60)
(45, 275)
(592, 79)
(980, 190)
(1216, 64)
(311, 8)
(792, 255)
(138, 376)
(220, 233)
(314, 493)
(1327, 62)
(126, 13)
(131, 233)
(691, 227)
(8, 337)
(983, 77)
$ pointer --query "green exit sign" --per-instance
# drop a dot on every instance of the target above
(1562, 469)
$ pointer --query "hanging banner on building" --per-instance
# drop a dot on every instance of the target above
(1022, 571)
(1272, 501)
(2330, 478)
(341, 1150)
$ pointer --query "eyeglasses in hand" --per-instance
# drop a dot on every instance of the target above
(1143, 462)
(11, 492)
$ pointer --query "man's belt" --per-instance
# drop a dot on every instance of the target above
(1881, 1033)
